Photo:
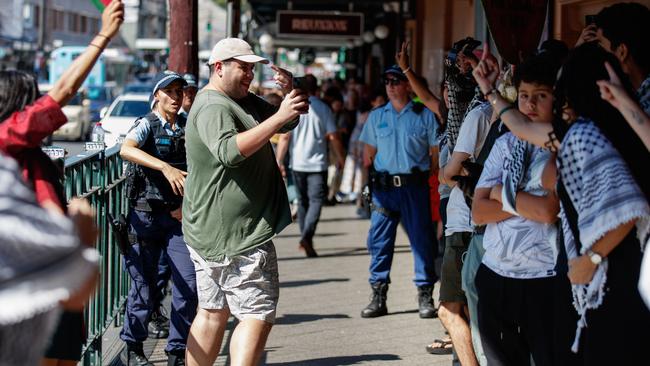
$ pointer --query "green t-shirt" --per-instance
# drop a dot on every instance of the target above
(232, 203)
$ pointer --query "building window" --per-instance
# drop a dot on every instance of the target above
(73, 22)
(94, 25)
(56, 19)
(83, 24)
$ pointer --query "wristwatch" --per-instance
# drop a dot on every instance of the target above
(594, 257)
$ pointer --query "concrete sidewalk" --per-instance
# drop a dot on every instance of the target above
(318, 321)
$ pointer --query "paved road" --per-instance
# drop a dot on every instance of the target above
(318, 321)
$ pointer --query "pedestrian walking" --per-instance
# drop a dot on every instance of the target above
(309, 160)
(235, 202)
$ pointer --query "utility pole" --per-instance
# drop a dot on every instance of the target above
(184, 36)
(234, 18)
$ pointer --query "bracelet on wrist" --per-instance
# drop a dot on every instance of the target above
(407, 70)
(504, 110)
(491, 91)
(101, 35)
(98, 47)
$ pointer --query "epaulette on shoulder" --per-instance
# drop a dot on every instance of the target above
(418, 107)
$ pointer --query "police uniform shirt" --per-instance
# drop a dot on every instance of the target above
(403, 140)
(141, 129)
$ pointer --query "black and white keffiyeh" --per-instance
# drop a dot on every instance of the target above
(605, 195)
(515, 167)
(460, 97)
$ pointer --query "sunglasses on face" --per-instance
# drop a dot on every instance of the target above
(392, 81)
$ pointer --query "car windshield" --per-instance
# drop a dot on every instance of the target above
(138, 88)
(131, 108)
(98, 94)
(76, 100)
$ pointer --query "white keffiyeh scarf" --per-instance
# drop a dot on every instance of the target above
(605, 196)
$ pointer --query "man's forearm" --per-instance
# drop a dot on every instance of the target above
(248, 142)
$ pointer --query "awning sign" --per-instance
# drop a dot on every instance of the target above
(321, 24)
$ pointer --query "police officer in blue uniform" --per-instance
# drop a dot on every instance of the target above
(399, 139)
(155, 149)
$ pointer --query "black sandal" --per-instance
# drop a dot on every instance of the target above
(442, 348)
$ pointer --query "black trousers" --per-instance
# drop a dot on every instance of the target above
(616, 332)
(517, 319)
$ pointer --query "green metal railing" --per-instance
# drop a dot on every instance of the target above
(99, 178)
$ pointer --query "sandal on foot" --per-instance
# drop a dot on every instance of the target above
(440, 347)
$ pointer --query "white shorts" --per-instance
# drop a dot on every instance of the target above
(247, 284)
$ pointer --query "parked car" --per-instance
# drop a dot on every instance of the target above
(121, 115)
(78, 113)
(138, 88)
(100, 97)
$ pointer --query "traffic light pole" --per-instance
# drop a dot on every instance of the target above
(184, 36)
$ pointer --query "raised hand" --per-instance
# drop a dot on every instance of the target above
(402, 57)
(486, 72)
(588, 34)
(612, 90)
(112, 18)
(294, 104)
(283, 78)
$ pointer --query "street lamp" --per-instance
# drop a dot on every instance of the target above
(381, 31)
(266, 43)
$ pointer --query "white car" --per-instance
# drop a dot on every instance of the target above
(78, 113)
(121, 115)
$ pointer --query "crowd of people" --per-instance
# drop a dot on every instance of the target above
(522, 190)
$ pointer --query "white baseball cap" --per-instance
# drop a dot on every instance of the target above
(235, 48)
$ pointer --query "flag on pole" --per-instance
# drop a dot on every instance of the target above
(101, 4)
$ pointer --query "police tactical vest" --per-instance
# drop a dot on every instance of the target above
(147, 188)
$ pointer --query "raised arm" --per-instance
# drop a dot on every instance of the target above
(248, 142)
(612, 91)
(428, 99)
(68, 84)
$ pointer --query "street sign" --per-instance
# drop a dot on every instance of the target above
(321, 24)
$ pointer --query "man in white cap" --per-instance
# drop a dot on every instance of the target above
(235, 202)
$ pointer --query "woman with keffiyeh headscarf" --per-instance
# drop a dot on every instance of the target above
(603, 186)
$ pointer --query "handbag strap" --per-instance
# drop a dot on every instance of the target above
(570, 212)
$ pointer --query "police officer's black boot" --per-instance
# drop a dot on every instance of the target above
(377, 306)
(133, 355)
(425, 302)
(176, 358)
(158, 325)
